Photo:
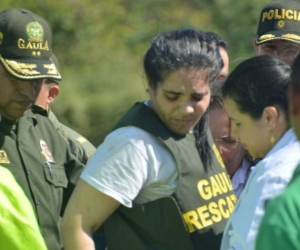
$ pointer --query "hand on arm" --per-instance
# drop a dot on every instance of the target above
(86, 211)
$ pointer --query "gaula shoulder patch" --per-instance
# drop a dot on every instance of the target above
(46, 152)
(3, 157)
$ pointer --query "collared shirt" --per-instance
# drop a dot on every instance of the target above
(267, 179)
(239, 179)
(79, 145)
(43, 165)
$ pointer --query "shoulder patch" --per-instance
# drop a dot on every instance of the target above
(3, 157)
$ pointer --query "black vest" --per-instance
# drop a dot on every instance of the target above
(194, 217)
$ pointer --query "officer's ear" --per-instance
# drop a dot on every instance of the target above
(255, 46)
(53, 93)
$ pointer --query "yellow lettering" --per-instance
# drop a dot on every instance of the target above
(213, 209)
(204, 215)
(277, 16)
(21, 43)
(46, 46)
(298, 19)
(191, 220)
(271, 14)
(215, 187)
(221, 183)
(221, 204)
(204, 189)
(36, 45)
(295, 15)
(264, 16)
(283, 13)
(227, 181)
(29, 46)
(289, 14)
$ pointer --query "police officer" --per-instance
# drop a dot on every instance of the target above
(79, 145)
(278, 32)
(30, 147)
(49, 90)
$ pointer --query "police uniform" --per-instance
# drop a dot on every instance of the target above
(30, 147)
(194, 217)
(43, 165)
(79, 145)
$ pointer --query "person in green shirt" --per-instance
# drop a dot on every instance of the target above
(279, 228)
(30, 147)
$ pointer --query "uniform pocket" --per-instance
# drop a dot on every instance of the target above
(56, 175)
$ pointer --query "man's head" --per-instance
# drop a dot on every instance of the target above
(278, 32)
(49, 88)
(223, 48)
(25, 50)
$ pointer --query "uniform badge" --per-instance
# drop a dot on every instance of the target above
(35, 32)
(281, 24)
(46, 152)
(3, 157)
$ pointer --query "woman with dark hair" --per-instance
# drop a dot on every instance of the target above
(146, 186)
(255, 97)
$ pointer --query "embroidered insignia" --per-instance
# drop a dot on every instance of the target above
(1, 37)
(24, 68)
(291, 36)
(268, 36)
(51, 69)
(35, 32)
(3, 157)
(281, 23)
(46, 152)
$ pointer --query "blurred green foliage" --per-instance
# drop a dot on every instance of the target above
(100, 47)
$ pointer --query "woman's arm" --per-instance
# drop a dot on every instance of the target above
(86, 211)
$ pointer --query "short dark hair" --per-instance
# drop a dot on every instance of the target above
(257, 83)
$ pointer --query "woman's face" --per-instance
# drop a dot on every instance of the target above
(254, 135)
(181, 99)
(231, 151)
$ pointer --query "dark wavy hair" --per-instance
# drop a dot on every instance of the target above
(190, 49)
(257, 83)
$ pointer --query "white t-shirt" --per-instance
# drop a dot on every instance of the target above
(132, 165)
